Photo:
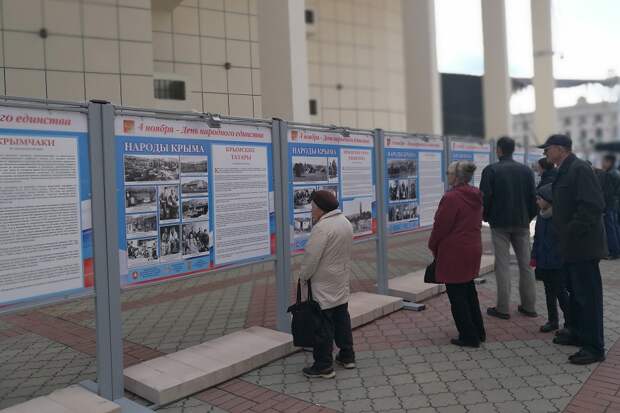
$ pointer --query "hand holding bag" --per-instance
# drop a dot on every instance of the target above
(306, 320)
(429, 275)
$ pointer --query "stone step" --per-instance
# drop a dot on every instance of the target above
(73, 399)
(411, 287)
(181, 374)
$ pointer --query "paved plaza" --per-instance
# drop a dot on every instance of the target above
(404, 360)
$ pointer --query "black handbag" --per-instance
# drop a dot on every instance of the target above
(306, 320)
(429, 274)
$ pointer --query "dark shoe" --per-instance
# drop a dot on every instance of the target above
(347, 364)
(314, 373)
(548, 327)
(526, 313)
(483, 338)
(563, 332)
(582, 357)
(566, 340)
(492, 311)
(461, 343)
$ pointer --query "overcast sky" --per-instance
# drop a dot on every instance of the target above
(586, 38)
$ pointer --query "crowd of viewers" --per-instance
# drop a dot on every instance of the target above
(576, 211)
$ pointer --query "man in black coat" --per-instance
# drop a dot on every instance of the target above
(610, 184)
(578, 207)
(509, 196)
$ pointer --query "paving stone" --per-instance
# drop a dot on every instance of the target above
(356, 393)
(442, 399)
(415, 402)
(540, 406)
(326, 396)
(471, 397)
(386, 403)
(452, 409)
(405, 390)
(482, 408)
(511, 407)
(361, 405)
(525, 393)
(497, 396)
(380, 392)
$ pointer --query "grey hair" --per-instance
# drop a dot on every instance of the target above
(463, 170)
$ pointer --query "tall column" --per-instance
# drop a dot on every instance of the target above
(423, 89)
(544, 83)
(283, 59)
(496, 85)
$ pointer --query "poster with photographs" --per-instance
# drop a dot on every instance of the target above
(302, 225)
(195, 209)
(403, 212)
(169, 242)
(359, 212)
(151, 168)
(331, 188)
(310, 169)
(141, 225)
(168, 203)
(402, 168)
(141, 252)
(332, 169)
(302, 198)
(196, 239)
(140, 199)
(194, 186)
(402, 190)
(194, 165)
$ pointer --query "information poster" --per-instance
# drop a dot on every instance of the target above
(191, 197)
(330, 161)
(519, 155)
(45, 244)
(478, 153)
(415, 183)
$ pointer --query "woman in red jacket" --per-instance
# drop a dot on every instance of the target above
(456, 244)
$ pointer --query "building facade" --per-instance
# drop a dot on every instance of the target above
(586, 123)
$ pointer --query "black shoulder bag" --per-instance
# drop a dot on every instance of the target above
(429, 274)
(306, 320)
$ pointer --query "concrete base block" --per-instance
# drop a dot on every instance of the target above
(412, 287)
(178, 375)
(367, 307)
(73, 399)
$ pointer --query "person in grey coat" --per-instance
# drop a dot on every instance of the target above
(327, 264)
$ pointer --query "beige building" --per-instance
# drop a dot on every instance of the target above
(325, 61)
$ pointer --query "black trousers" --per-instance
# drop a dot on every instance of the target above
(466, 312)
(586, 305)
(555, 292)
(336, 326)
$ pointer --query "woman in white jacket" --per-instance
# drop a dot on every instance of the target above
(327, 264)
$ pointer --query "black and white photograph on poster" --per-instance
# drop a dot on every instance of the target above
(402, 189)
(332, 169)
(194, 165)
(194, 186)
(141, 251)
(151, 168)
(195, 209)
(309, 169)
(402, 168)
(168, 203)
(140, 199)
(169, 241)
(141, 225)
(331, 188)
(402, 212)
(196, 239)
(359, 212)
(302, 198)
(302, 225)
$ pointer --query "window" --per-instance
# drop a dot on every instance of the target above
(526, 126)
(599, 133)
(313, 107)
(169, 89)
(583, 135)
(598, 118)
(567, 121)
(309, 16)
(582, 119)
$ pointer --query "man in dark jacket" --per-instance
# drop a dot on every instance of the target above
(509, 207)
(609, 178)
(578, 207)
